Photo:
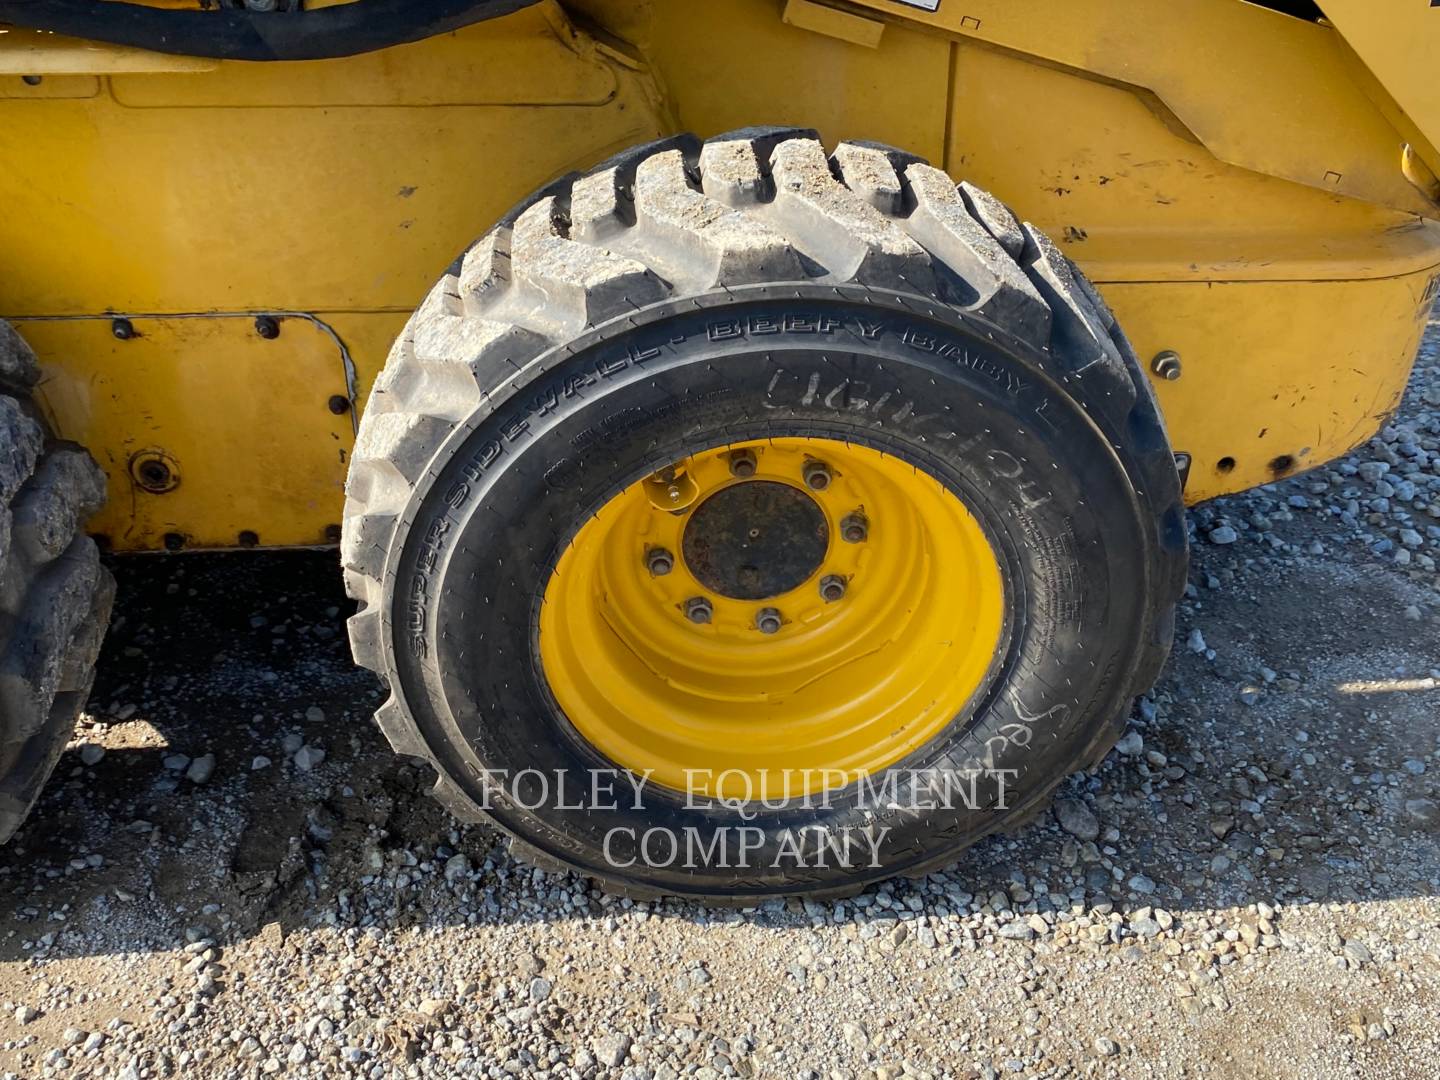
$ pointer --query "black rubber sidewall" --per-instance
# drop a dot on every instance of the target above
(951, 397)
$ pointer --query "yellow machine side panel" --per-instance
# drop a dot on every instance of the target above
(1257, 88)
(1131, 199)
(337, 189)
(338, 185)
(1399, 43)
(207, 430)
(729, 64)
(1277, 376)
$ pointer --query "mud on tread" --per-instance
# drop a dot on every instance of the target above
(55, 595)
(680, 217)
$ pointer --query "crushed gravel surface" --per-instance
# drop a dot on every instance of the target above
(231, 876)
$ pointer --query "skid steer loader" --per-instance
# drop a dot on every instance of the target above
(787, 488)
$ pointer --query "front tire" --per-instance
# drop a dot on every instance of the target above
(646, 323)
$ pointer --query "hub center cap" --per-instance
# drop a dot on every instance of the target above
(755, 540)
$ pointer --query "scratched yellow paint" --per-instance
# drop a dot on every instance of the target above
(243, 422)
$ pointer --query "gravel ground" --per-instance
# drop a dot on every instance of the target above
(231, 876)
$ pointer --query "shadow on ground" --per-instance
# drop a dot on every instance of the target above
(1251, 784)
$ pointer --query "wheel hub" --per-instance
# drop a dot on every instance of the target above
(755, 539)
(803, 610)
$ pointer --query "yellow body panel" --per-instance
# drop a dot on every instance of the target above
(223, 408)
(335, 185)
(1399, 48)
(1255, 88)
(1246, 421)
(1235, 180)
(29, 51)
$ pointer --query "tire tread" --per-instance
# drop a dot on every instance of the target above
(55, 595)
(677, 217)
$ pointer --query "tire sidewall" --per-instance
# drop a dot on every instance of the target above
(948, 393)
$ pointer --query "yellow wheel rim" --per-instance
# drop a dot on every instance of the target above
(856, 676)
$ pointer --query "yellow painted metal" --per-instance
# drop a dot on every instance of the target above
(339, 189)
(1175, 151)
(728, 64)
(27, 87)
(1297, 396)
(1265, 91)
(671, 490)
(32, 52)
(1418, 173)
(1398, 45)
(250, 440)
(337, 185)
(832, 22)
(844, 687)
(1132, 199)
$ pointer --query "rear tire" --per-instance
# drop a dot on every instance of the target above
(683, 298)
(55, 596)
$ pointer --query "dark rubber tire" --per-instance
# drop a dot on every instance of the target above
(55, 595)
(684, 296)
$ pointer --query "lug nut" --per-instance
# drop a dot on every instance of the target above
(698, 609)
(832, 588)
(817, 475)
(742, 464)
(854, 528)
(1167, 365)
(767, 620)
(660, 561)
